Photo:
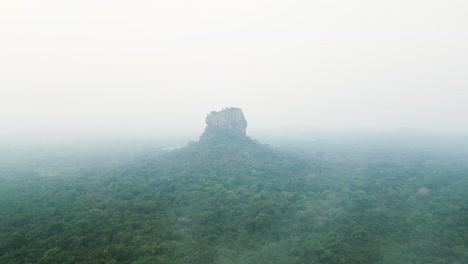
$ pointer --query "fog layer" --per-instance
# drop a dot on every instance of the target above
(158, 67)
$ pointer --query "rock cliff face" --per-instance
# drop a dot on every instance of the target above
(229, 118)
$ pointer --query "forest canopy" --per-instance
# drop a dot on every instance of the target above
(234, 200)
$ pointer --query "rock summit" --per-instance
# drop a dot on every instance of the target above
(230, 118)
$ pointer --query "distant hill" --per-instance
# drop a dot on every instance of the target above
(224, 148)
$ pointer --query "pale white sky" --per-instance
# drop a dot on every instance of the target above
(158, 67)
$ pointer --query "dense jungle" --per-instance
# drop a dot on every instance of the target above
(230, 199)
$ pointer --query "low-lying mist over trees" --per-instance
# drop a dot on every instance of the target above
(229, 199)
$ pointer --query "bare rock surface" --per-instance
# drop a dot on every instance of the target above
(230, 118)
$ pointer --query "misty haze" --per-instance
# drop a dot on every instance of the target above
(234, 131)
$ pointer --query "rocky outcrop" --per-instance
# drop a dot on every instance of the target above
(229, 118)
